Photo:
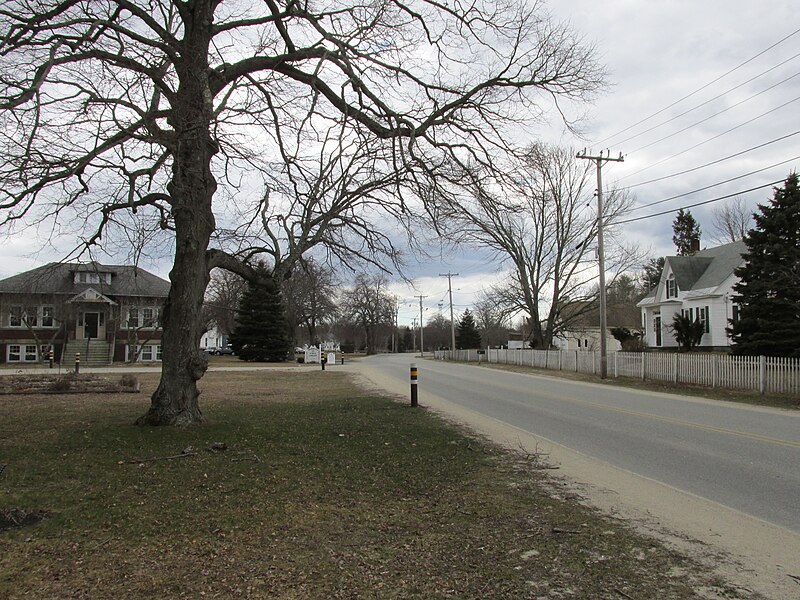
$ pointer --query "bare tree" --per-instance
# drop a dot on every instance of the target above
(731, 221)
(309, 297)
(223, 295)
(174, 110)
(369, 305)
(538, 223)
(437, 332)
(492, 320)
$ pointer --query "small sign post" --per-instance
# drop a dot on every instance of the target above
(414, 384)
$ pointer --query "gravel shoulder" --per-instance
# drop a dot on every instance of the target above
(749, 553)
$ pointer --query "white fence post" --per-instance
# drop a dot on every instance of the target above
(762, 374)
(643, 355)
(714, 369)
(675, 370)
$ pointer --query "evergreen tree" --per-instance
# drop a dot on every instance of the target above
(467, 334)
(261, 332)
(685, 230)
(768, 293)
(651, 274)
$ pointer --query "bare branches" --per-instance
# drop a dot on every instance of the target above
(539, 222)
(732, 221)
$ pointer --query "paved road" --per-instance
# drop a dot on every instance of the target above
(746, 458)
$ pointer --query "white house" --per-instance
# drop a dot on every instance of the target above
(701, 287)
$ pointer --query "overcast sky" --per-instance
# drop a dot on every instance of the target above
(665, 59)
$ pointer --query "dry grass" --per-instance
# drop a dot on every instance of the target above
(321, 493)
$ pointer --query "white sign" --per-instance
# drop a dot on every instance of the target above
(331, 358)
(312, 355)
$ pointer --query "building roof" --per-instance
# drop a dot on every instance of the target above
(59, 278)
(704, 270)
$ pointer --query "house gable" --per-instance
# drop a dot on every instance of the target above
(92, 295)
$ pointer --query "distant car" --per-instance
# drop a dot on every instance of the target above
(225, 350)
(209, 350)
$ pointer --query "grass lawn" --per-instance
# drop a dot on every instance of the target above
(322, 492)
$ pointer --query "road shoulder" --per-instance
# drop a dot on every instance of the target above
(747, 552)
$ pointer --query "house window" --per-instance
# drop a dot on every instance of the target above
(31, 316)
(736, 313)
(133, 318)
(20, 353)
(149, 317)
(148, 353)
(702, 316)
(47, 316)
(672, 288)
(15, 316)
(91, 278)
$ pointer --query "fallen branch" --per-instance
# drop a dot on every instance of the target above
(560, 530)
(621, 593)
(155, 458)
(252, 456)
(795, 577)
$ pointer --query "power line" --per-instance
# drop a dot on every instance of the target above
(700, 89)
(719, 135)
(710, 100)
(724, 110)
(666, 212)
(702, 189)
(713, 162)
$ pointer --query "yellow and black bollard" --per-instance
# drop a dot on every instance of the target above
(413, 384)
(50, 358)
(77, 363)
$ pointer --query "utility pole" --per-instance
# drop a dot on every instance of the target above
(601, 256)
(414, 334)
(449, 275)
(421, 327)
(395, 328)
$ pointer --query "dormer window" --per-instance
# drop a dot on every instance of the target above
(671, 287)
(92, 277)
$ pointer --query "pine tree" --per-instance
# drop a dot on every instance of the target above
(685, 230)
(768, 293)
(261, 332)
(651, 273)
(467, 335)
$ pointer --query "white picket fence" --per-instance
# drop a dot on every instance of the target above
(765, 374)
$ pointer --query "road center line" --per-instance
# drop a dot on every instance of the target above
(673, 420)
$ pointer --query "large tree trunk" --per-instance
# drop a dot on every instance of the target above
(191, 190)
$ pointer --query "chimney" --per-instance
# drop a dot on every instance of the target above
(694, 248)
